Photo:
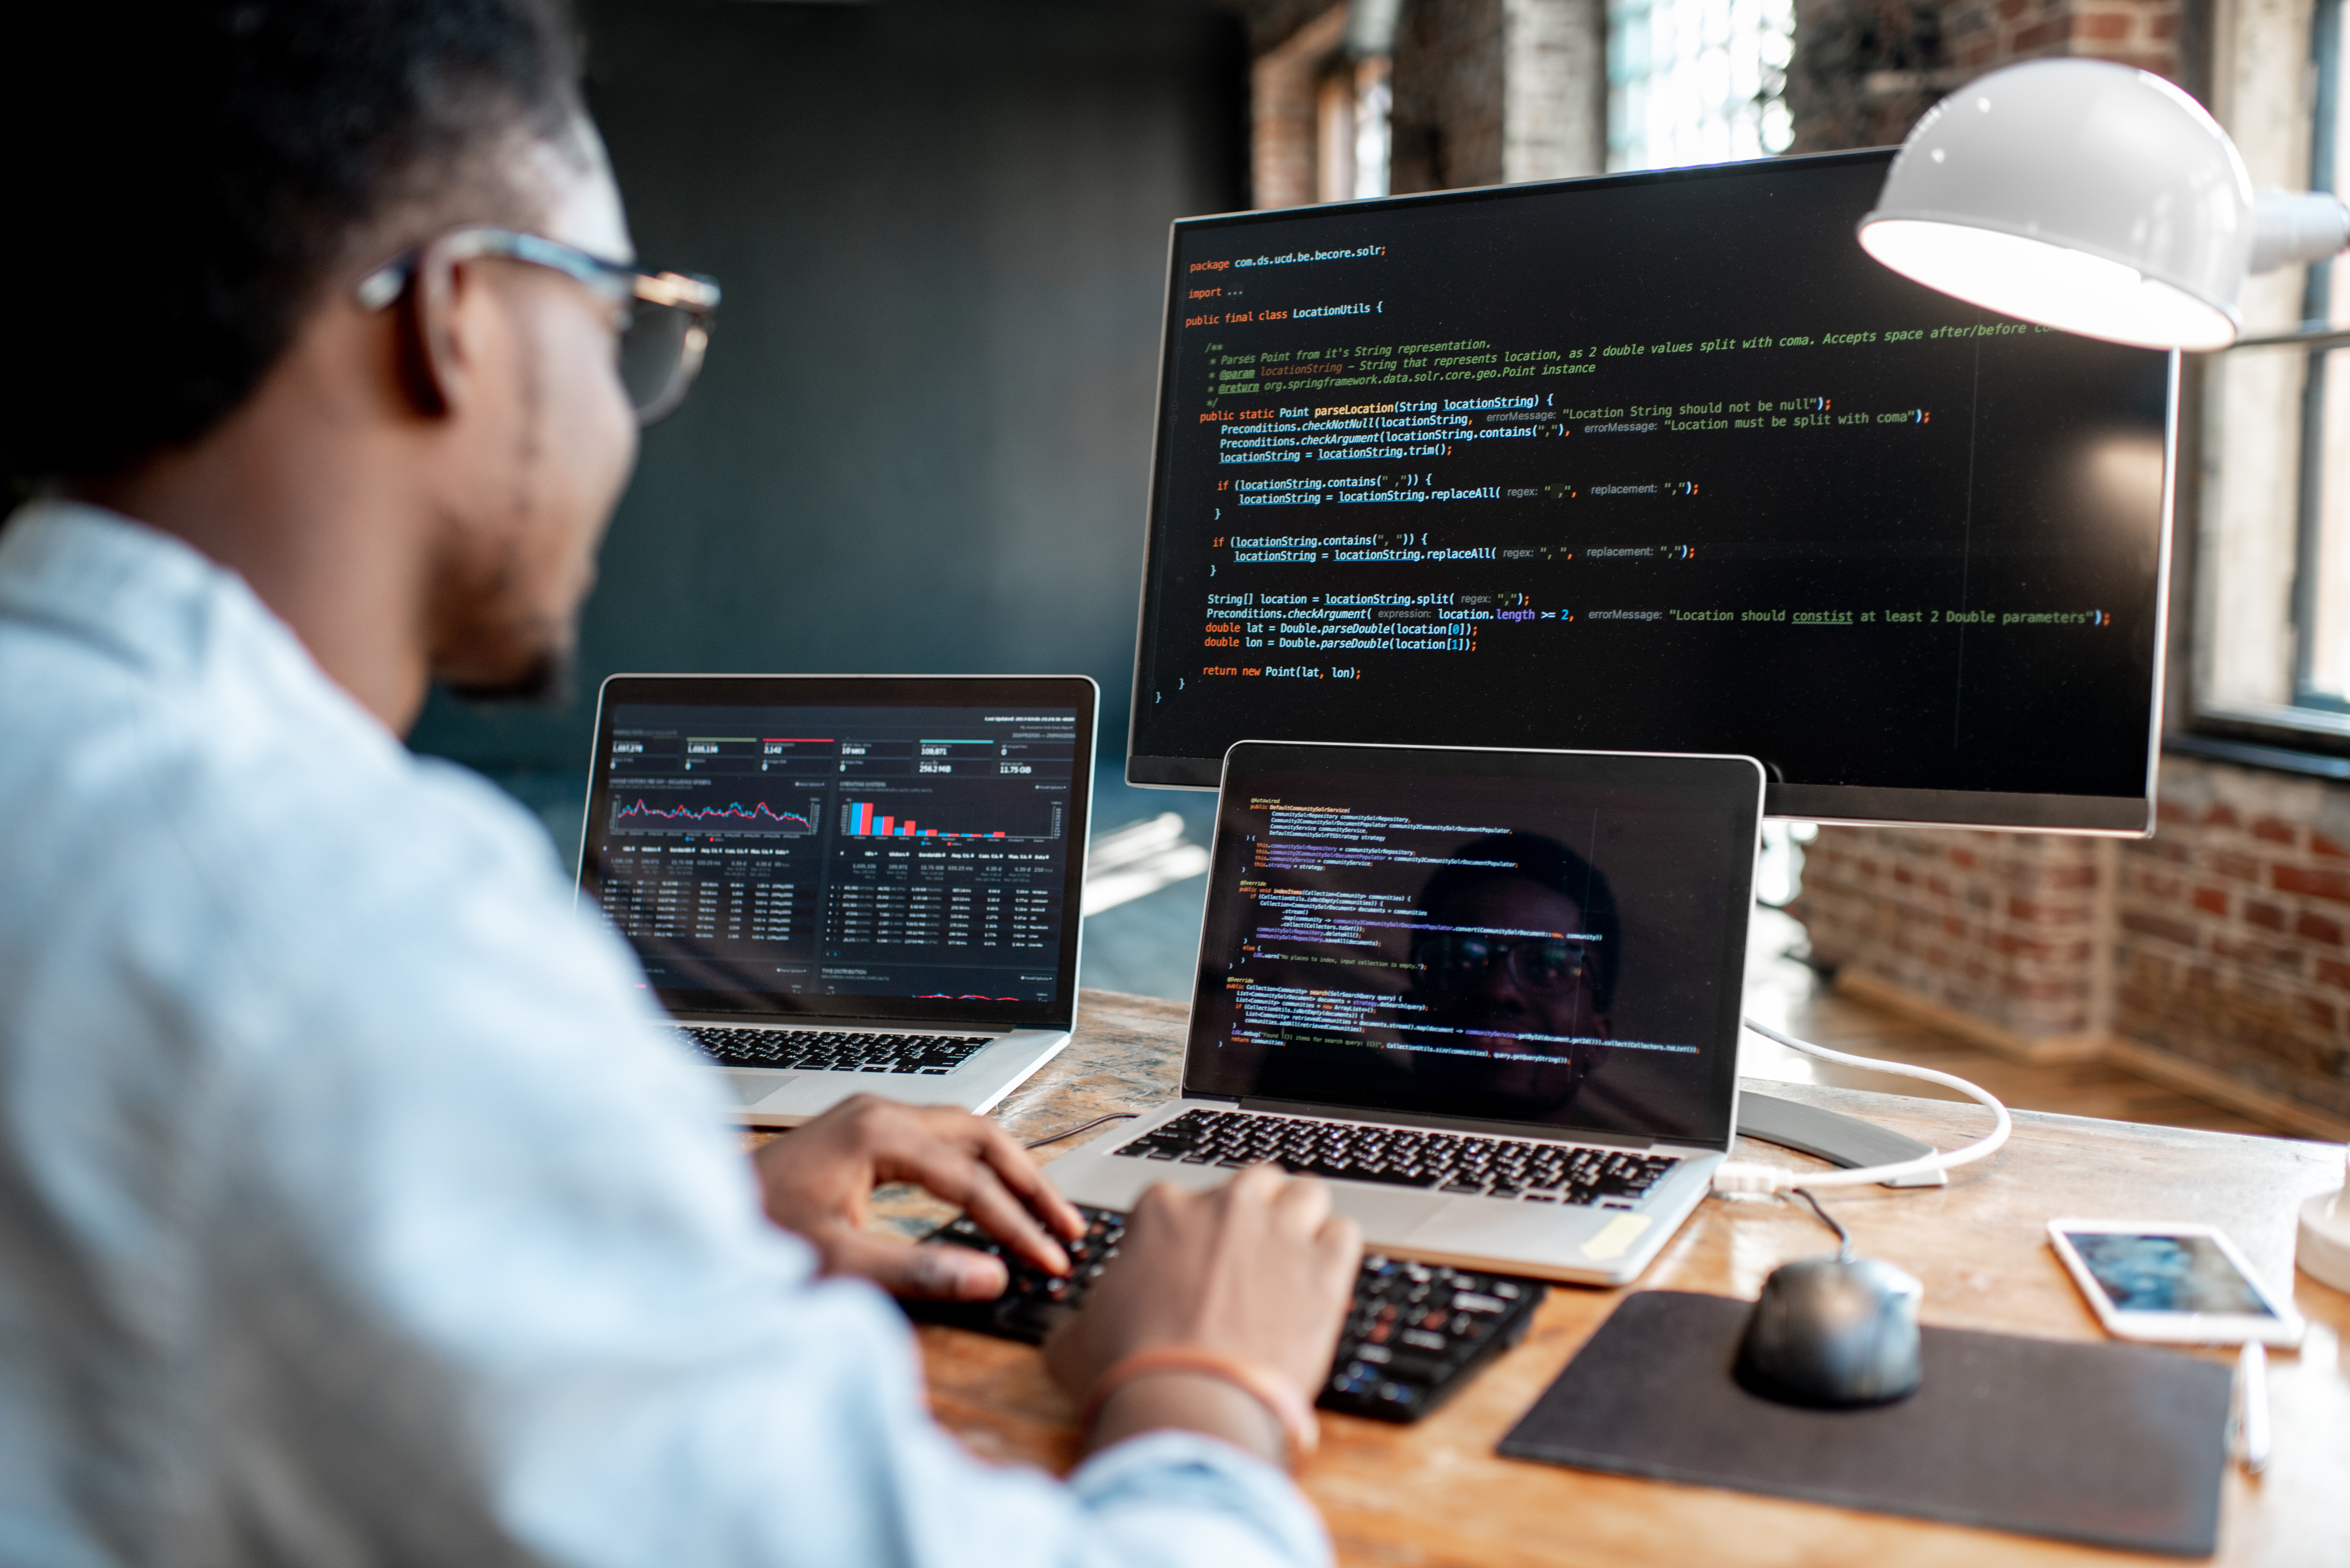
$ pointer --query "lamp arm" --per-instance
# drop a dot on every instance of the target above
(2312, 335)
(2296, 227)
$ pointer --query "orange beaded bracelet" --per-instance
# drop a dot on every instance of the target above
(1267, 1387)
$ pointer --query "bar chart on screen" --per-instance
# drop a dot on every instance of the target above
(968, 819)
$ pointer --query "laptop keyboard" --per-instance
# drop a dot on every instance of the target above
(835, 1051)
(1414, 1335)
(1407, 1157)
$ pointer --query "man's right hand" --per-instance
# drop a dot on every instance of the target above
(1259, 1269)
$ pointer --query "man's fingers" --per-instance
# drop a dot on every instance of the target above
(1156, 1200)
(963, 1179)
(1256, 1184)
(923, 1144)
(1341, 1241)
(928, 1273)
(1018, 1170)
(1302, 1205)
(952, 1273)
(1003, 1217)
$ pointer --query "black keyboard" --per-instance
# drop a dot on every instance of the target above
(834, 1050)
(1407, 1157)
(1414, 1335)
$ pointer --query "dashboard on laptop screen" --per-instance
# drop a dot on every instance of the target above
(1545, 949)
(850, 858)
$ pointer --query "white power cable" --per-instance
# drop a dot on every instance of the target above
(1734, 1176)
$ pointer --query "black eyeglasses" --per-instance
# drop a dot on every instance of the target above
(665, 321)
(1536, 964)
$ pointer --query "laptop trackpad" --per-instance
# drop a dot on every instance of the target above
(1387, 1216)
(1480, 1225)
(749, 1088)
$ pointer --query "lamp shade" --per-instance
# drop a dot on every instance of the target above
(2079, 195)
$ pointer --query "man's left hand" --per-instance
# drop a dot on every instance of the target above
(816, 1180)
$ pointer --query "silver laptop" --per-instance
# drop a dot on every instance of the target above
(845, 884)
(1491, 996)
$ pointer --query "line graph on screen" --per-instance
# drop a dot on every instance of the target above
(735, 817)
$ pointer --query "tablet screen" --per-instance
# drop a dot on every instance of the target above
(2166, 1274)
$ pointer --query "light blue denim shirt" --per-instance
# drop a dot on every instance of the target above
(348, 1211)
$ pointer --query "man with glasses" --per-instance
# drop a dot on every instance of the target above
(348, 1212)
(1520, 952)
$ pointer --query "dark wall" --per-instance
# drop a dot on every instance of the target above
(923, 440)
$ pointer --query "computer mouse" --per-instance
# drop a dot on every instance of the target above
(1832, 1333)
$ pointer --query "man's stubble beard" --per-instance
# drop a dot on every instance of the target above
(546, 677)
(549, 681)
(514, 655)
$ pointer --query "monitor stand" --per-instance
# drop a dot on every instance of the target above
(1842, 1141)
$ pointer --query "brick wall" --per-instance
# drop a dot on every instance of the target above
(1982, 34)
(1998, 929)
(2233, 949)
(1446, 123)
(2215, 955)
(1483, 91)
(1494, 91)
(1865, 69)
(1285, 86)
(1554, 111)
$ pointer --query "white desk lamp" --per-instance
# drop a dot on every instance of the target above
(2103, 201)
(2097, 199)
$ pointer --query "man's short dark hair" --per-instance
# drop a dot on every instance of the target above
(1549, 864)
(183, 176)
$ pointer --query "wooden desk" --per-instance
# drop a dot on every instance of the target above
(1436, 1494)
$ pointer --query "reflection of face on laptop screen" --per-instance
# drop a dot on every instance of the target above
(1512, 949)
(823, 859)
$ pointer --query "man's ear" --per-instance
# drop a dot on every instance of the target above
(436, 363)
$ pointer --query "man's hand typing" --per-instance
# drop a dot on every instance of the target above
(817, 1178)
(1259, 1269)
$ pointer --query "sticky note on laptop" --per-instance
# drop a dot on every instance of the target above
(1614, 1237)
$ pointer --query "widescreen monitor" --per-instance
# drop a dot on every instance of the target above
(1659, 461)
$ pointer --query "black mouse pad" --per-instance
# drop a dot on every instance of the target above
(2113, 1445)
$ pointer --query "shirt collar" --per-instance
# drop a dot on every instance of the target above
(147, 595)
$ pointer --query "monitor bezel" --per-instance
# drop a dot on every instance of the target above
(869, 690)
(2118, 816)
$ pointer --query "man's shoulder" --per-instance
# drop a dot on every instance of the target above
(210, 880)
(215, 853)
(230, 808)
(229, 778)
(152, 704)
